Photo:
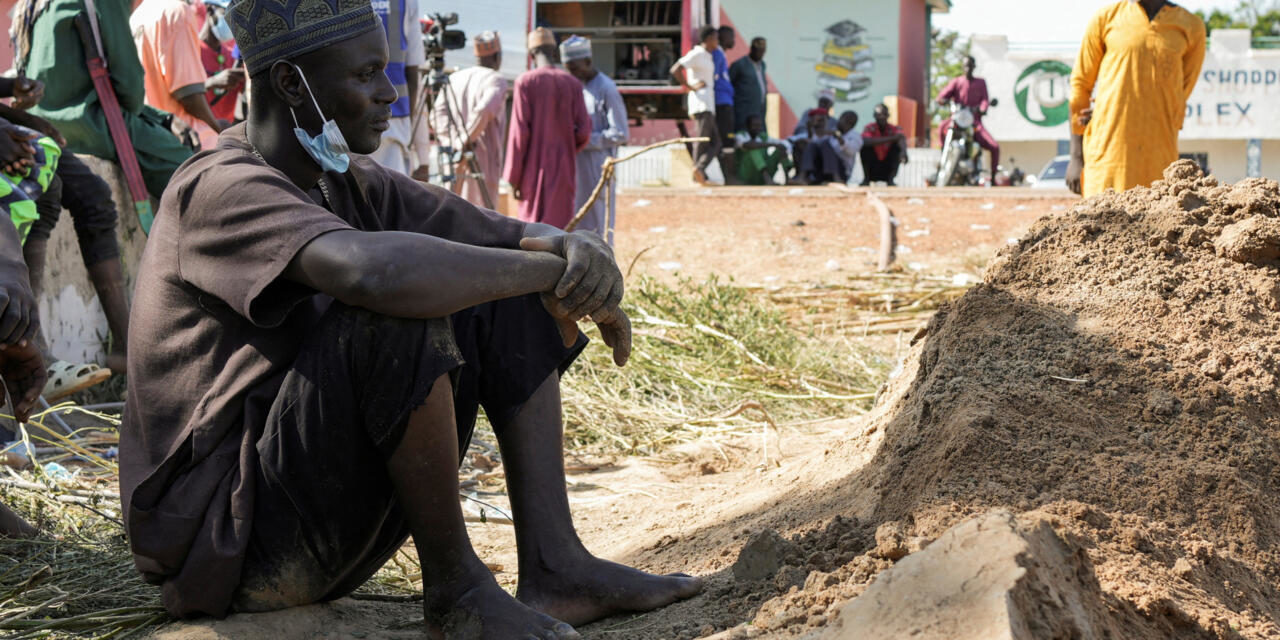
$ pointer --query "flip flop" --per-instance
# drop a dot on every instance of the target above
(66, 378)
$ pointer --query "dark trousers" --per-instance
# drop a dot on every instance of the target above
(724, 124)
(877, 170)
(325, 517)
(705, 152)
(93, 212)
(821, 164)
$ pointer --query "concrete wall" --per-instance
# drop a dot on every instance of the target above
(1226, 157)
(70, 312)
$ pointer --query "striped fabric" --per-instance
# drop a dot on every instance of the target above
(19, 192)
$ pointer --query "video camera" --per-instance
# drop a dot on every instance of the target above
(437, 37)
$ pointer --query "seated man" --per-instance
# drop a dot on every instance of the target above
(313, 336)
(819, 163)
(884, 148)
(847, 143)
(758, 155)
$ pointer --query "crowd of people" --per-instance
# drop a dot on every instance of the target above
(728, 104)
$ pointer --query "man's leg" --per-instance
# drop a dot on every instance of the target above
(892, 162)
(358, 451)
(88, 198)
(514, 358)
(871, 170)
(704, 152)
(988, 142)
(724, 126)
(558, 576)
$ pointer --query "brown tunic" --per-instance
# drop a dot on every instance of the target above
(213, 329)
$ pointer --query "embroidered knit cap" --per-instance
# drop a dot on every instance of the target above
(575, 48)
(539, 37)
(487, 43)
(270, 30)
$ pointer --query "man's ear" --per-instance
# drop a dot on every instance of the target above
(286, 83)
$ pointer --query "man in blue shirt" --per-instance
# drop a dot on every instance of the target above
(724, 104)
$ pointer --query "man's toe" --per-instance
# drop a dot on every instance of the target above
(562, 631)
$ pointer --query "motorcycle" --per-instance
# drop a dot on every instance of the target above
(961, 163)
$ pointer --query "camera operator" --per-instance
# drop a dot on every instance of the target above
(479, 118)
(407, 53)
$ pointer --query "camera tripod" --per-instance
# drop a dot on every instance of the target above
(437, 88)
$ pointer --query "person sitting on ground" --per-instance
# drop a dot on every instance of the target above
(47, 47)
(847, 143)
(819, 163)
(826, 101)
(88, 198)
(884, 149)
(759, 156)
(313, 336)
(167, 34)
(21, 365)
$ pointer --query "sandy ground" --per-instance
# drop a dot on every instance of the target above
(781, 234)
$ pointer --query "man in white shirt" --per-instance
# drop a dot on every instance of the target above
(847, 142)
(696, 71)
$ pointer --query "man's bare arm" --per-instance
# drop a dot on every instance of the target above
(412, 275)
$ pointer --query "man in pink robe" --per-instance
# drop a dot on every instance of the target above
(549, 125)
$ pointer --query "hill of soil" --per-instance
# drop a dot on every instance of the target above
(1114, 377)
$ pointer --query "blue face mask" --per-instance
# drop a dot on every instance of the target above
(221, 29)
(329, 149)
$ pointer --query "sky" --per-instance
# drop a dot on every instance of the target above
(1037, 20)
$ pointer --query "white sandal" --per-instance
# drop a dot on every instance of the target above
(66, 378)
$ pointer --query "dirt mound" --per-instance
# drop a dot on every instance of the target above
(1115, 379)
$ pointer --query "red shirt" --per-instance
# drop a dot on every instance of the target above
(874, 130)
(970, 93)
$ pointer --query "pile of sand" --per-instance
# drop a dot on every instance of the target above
(1113, 385)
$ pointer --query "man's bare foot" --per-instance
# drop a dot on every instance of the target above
(592, 589)
(485, 612)
(700, 177)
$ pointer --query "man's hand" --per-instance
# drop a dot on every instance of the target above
(1075, 171)
(515, 193)
(697, 86)
(22, 368)
(16, 150)
(27, 93)
(1086, 115)
(21, 364)
(227, 79)
(1075, 167)
(590, 287)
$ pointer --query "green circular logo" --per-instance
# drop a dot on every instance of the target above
(1043, 93)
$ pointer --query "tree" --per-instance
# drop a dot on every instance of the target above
(946, 61)
(1260, 17)
(1220, 19)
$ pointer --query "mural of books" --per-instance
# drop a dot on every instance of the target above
(846, 62)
